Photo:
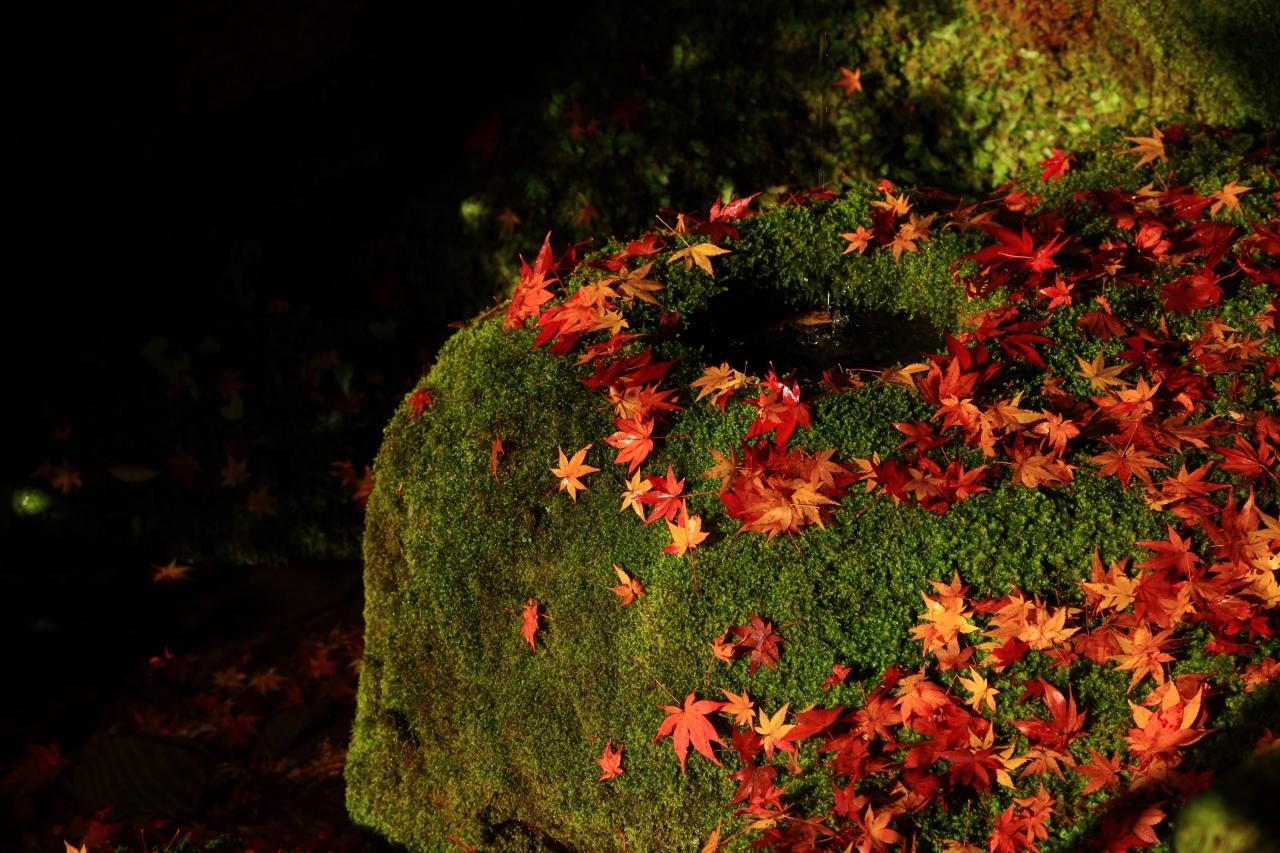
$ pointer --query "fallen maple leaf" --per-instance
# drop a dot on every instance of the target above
(65, 478)
(858, 240)
(610, 762)
(1149, 148)
(690, 725)
(758, 638)
(531, 292)
(1101, 376)
(980, 692)
(419, 401)
(529, 622)
(636, 487)
(700, 254)
(495, 450)
(850, 81)
(261, 503)
(570, 470)
(720, 383)
(1055, 165)
(235, 472)
(740, 708)
(721, 649)
(628, 589)
(773, 732)
(713, 841)
(685, 535)
(1228, 197)
(171, 571)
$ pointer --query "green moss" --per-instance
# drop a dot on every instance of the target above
(463, 730)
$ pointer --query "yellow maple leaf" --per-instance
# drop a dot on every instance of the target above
(980, 693)
(773, 732)
(902, 375)
(1149, 148)
(636, 486)
(1228, 197)
(637, 285)
(723, 470)
(570, 470)
(1099, 375)
(700, 254)
(719, 383)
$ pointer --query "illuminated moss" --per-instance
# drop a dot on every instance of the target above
(463, 731)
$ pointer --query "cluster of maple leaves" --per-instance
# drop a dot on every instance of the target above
(229, 709)
(914, 736)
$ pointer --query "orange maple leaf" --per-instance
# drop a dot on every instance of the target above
(741, 708)
(529, 622)
(850, 81)
(610, 762)
(570, 470)
(690, 725)
(495, 450)
(636, 487)
(980, 693)
(628, 589)
(858, 240)
(171, 571)
(685, 535)
(722, 650)
(720, 383)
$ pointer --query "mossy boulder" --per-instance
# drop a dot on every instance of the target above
(1238, 814)
(466, 731)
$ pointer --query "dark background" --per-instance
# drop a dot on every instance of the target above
(142, 143)
(166, 170)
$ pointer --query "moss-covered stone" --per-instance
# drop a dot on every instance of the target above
(464, 731)
(1237, 814)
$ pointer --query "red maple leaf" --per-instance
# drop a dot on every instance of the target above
(633, 440)
(531, 291)
(758, 638)
(690, 725)
(718, 226)
(666, 497)
(419, 401)
(1103, 773)
(1055, 165)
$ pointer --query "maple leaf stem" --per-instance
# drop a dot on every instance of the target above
(673, 231)
(667, 690)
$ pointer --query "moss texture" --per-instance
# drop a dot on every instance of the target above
(464, 731)
(963, 95)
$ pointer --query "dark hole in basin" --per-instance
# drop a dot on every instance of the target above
(758, 331)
